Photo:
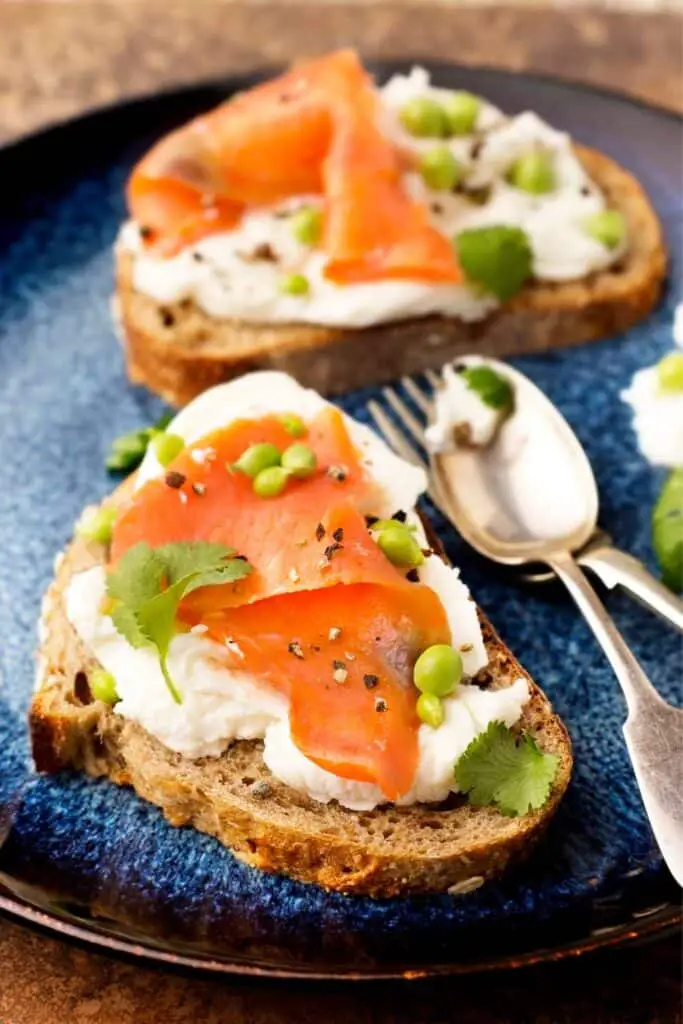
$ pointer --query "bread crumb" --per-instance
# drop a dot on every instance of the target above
(261, 789)
(467, 885)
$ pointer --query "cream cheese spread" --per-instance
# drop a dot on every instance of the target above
(460, 414)
(224, 275)
(221, 705)
(657, 418)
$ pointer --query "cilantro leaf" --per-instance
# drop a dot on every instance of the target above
(187, 557)
(498, 259)
(667, 530)
(228, 573)
(126, 622)
(512, 773)
(148, 585)
(493, 389)
(128, 450)
(138, 576)
(156, 619)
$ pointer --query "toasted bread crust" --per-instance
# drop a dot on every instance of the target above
(389, 851)
(178, 350)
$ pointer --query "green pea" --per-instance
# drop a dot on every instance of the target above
(307, 225)
(400, 547)
(430, 709)
(96, 524)
(670, 372)
(103, 686)
(533, 173)
(167, 447)
(293, 424)
(256, 458)
(295, 284)
(384, 524)
(439, 169)
(438, 670)
(271, 482)
(462, 110)
(424, 118)
(608, 226)
(299, 460)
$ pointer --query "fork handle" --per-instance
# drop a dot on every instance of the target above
(616, 568)
(653, 730)
(638, 690)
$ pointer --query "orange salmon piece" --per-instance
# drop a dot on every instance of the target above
(316, 571)
(258, 148)
(312, 130)
(343, 655)
(373, 229)
(279, 536)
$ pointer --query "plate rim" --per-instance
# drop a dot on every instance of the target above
(659, 922)
(649, 924)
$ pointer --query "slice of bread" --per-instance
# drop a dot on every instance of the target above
(385, 852)
(178, 350)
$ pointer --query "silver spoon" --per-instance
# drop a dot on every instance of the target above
(531, 497)
(615, 568)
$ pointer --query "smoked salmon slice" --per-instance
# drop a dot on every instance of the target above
(313, 130)
(280, 536)
(258, 148)
(324, 617)
(373, 229)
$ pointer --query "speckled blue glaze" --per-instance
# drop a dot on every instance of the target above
(64, 396)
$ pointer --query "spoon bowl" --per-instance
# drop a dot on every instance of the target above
(529, 494)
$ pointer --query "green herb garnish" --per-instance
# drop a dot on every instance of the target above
(493, 389)
(148, 584)
(511, 772)
(128, 450)
(497, 259)
(667, 530)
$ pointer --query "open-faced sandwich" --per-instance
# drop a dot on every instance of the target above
(381, 230)
(255, 632)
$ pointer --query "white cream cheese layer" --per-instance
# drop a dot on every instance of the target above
(657, 418)
(225, 279)
(460, 411)
(221, 705)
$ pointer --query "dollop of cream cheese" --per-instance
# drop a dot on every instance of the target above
(221, 705)
(657, 418)
(225, 277)
(460, 414)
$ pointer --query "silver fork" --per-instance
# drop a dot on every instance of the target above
(612, 566)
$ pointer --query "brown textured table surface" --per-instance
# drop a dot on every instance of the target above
(58, 58)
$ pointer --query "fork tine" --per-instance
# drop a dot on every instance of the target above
(404, 448)
(406, 417)
(394, 436)
(417, 395)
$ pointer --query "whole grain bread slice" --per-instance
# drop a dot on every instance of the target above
(178, 350)
(385, 852)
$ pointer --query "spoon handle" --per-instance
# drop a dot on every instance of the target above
(653, 728)
(616, 568)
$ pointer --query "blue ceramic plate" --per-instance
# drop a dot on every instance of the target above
(92, 860)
